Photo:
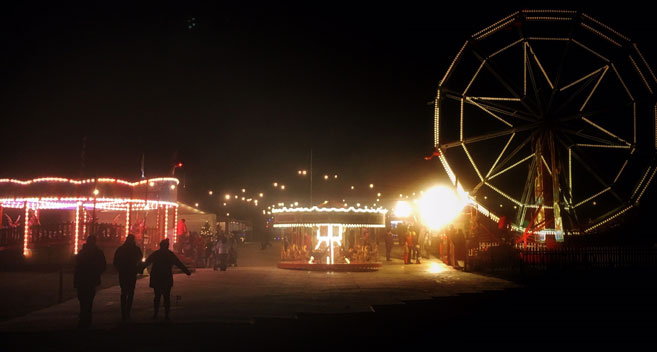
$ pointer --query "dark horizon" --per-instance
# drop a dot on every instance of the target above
(239, 95)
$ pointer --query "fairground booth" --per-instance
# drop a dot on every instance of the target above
(329, 238)
(47, 220)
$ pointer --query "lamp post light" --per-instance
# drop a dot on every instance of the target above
(174, 167)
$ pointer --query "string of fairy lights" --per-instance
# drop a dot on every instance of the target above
(269, 199)
(277, 194)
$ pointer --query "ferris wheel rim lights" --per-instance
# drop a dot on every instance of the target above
(588, 24)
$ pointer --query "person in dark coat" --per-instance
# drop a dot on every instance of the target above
(162, 276)
(388, 240)
(126, 261)
(222, 249)
(89, 265)
(232, 252)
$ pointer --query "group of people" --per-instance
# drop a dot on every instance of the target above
(416, 243)
(208, 250)
(223, 251)
(90, 264)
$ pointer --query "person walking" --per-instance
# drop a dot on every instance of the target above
(126, 261)
(416, 247)
(388, 240)
(408, 247)
(222, 250)
(89, 265)
(232, 253)
(162, 276)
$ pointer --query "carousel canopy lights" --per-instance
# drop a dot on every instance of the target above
(317, 225)
(330, 210)
(91, 180)
(14, 195)
(440, 205)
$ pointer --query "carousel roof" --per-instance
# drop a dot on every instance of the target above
(104, 193)
(314, 216)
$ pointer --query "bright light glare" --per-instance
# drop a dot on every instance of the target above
(440, 205)
(403, 209)
(436, 268)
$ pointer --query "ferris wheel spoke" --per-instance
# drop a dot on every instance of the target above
(605, 131)
(595, 87)
(579, 155)
(488, 111)
(503, 81)
(576, 94)
(490, 103)
(605, 142)
(532, 79)
(488, 136)
(562, 64)
(514, 165)
(538, 62)
(583, 78)
(590, 50)
(513, 153)
(500, 155)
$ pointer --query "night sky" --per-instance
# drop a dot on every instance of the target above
(239, 92)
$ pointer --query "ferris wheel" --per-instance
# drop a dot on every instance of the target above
(549, 117)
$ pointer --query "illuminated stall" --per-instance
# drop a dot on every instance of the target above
(332, 239)
(52, 212)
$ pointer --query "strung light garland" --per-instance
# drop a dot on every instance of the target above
(91, 180)
(379, 210)
(329, 224)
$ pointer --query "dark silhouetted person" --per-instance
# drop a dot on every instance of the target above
(459, 248)
(265, 240)
(126, 261)
(162, 276)
(89, 264)
(222, 249)
(232, 252)
(388, 240)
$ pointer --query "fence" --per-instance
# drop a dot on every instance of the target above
(58, 234)
(491, 256)
(108, 233)
(52, 234)
(11, 237)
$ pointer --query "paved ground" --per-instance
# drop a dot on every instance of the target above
(26, 291)
(408, 306)
(256, 288)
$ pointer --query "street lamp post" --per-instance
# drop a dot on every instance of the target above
(311, 177)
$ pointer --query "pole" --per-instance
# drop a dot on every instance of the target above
(311, 177)
(60, 294)
(26, 229)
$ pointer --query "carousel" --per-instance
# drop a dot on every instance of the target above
(330, 239)
(55, 215)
